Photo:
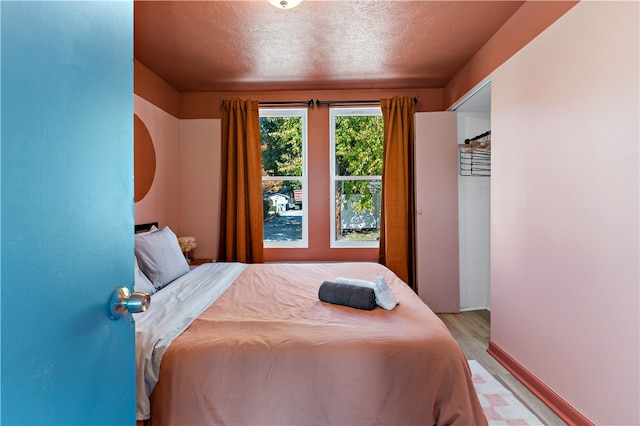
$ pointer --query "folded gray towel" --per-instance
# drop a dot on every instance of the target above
(351, 295)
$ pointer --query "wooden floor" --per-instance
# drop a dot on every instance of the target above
(471, 329)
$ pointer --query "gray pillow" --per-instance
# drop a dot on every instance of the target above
(160, 257)
(141, 282)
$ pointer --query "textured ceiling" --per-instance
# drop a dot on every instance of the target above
(202, 46)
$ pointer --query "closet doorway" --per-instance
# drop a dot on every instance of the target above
(474, 198)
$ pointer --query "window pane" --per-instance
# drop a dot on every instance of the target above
(282, 202)
(281, 139)
(283, 133)
(358, 145)
(358, 210)
(357, 136)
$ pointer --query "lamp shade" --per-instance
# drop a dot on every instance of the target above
(285, 4)
(187, 244)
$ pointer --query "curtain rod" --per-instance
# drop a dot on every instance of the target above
(318, 103)
(369, 102)
(308, 103)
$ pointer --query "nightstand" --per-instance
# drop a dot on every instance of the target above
(196, 262)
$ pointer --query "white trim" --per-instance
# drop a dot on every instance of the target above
(374, 177)
(333, 113)
(479, 308)
(469, 94)
(303, 114)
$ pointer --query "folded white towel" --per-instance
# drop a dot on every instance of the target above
(384, 295)
(353, 281)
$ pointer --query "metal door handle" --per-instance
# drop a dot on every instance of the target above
(123, 301)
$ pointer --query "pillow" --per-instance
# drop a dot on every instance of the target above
(141, 283)
(160, 257)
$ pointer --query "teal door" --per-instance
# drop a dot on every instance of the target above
(66, 212)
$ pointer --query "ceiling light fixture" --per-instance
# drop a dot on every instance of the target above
(285, 4)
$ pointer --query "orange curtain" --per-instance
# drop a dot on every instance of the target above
(241, 232)
(397, 224)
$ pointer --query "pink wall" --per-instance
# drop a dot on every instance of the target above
(528, 21)
(564, 211)
(199, 200)
(161, 202)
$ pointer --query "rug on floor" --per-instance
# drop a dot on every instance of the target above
(499, 405)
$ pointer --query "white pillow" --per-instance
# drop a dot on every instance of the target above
(141, 282)
(160, 257)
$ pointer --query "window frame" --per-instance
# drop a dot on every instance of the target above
(334, 178)
(303, 114)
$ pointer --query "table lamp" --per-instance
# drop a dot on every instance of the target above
(186, 245)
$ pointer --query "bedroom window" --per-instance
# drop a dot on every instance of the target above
(356, 176)
(283, 134)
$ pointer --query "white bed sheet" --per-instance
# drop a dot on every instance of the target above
(171, 311)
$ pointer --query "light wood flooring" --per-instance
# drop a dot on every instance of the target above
(472, 329)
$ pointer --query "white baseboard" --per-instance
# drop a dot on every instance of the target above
(480, 308)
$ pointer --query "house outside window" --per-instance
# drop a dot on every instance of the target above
(283, 135)
(356, 176)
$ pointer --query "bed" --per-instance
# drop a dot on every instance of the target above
(232, 344)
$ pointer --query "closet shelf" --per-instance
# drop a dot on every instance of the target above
(475, 156)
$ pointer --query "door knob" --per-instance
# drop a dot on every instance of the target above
(123, 301)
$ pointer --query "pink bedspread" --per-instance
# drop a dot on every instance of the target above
(268, 352)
